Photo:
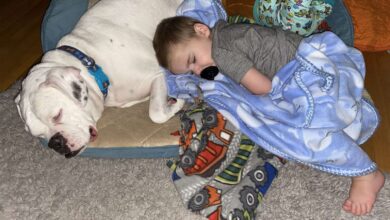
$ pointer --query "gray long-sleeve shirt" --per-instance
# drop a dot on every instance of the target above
(238, 47)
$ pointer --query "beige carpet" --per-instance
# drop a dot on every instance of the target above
(37, 183)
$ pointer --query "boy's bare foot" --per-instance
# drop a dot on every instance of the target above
(363, 193)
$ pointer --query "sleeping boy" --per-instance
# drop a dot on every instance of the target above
(250, 55)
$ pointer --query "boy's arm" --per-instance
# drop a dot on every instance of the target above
(256, 82)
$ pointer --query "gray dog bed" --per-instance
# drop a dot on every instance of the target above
(37, 183)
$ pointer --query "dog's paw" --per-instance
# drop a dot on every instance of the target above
(171, 101)
(175, 105)
(168, 109)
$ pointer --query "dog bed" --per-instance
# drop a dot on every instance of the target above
(128, 132)
(123, 132)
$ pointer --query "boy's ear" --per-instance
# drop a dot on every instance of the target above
(202, 29)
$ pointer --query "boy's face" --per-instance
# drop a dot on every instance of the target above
(193, 55)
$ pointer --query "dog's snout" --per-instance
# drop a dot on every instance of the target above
(58, 143)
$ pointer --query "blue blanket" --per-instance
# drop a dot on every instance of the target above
(207, 11)
(315, 113)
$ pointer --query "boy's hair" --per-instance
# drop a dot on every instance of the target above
(169, 32)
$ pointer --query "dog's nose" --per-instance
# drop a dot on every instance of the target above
(58, 143)
(93, 134)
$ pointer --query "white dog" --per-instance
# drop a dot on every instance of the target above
(60, 99)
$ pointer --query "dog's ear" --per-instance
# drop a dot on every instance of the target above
(69, 81)
(31, 122)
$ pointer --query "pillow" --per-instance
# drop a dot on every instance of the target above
(301, 17)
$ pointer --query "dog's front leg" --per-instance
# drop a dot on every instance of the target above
(160, 110)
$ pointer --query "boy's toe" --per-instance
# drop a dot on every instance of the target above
(364, 209)
(356, 209)
(347, 206)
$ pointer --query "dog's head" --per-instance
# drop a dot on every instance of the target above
(55, 104)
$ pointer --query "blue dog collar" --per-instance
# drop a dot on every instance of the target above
(94, 69)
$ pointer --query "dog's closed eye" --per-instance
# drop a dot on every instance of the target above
(57, 117)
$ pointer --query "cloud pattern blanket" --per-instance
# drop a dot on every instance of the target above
(315, 113)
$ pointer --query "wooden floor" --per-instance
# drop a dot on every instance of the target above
(378, 84)
(20, 45)
(20, 48)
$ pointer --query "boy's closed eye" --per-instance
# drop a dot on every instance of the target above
(191, 61)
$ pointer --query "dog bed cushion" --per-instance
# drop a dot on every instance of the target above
(123, 132)
(129, 133)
